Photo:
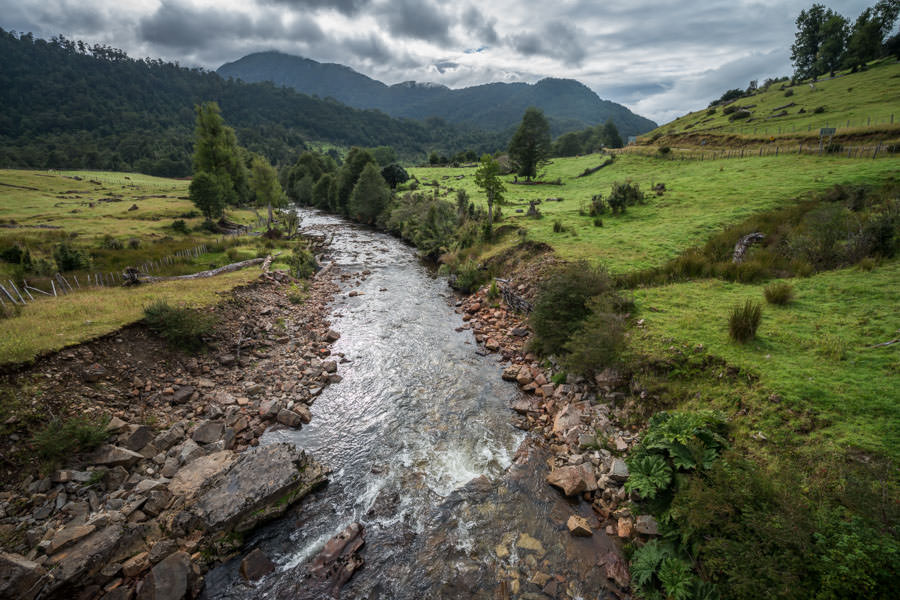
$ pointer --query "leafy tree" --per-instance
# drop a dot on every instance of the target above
(394, 175)
(347, 175)
(568, 144)
(530, 145)
(487, 177)
(384, 155)
(434, 159)
(324, 192)
(611, 137)
(819, 37)
(868, 32)
(216, 152)
(370, 195)
(264, 182)
(206, 193)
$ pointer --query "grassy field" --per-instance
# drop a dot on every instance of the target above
(815, 352)
(850, 101)
(40, 210)
(49, 325)
(701, 198)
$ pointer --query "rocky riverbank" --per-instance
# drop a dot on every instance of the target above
(580, 423)
(181, 476)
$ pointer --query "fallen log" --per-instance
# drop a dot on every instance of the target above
(210, 273)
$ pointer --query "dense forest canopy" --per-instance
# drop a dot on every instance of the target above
(71, 105)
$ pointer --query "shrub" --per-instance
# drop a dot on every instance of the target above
(232, 254)
(62, 439)
(744, 321)
(558, 226)
(598, 222)
(739, 114)
(493, 292)
(180, 226)
(819, 110)
(599, 340)
(711, 112)
(788, 93)
(624, 194)
(780, 292)
(13, 255)
(729, 109)
(298, 294)
(9, 310)
(564, 301)
(134, 243)
(301, 262)
(663, 150)
(110, 243)
(69, 258)
(183, 328)
(867, 264)
(468, 277)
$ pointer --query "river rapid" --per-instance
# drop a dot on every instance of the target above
(420, 439)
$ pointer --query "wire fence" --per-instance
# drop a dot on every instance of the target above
(821, 148)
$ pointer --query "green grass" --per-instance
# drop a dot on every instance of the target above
(851, 100)
(702, 197)
(52, 324)
(815, 352)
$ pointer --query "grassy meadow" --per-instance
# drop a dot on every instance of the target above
(701, 198)
(40, 210)
(850, 101)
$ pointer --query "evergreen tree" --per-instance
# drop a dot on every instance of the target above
(207, 195)
(487, 177)
(530, 145)
(217, 153)
(370, 195)
(324, 192)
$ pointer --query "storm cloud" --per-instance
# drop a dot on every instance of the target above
(659, 58)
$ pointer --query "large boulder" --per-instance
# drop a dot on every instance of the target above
(256, 565)
(112, 456)
(73, 567)
(261, 484)
(20, 578)
(573, 479)
(172, 578)
(191, 477)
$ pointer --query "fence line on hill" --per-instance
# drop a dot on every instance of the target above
(60, 285)
(833, 149)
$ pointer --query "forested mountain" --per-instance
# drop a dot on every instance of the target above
(568, 104)
(69, 105)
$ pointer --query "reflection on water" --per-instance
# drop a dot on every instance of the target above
(419, 437)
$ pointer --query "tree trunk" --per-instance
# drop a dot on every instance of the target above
(490, 212)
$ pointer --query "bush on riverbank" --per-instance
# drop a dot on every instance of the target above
(183, 328)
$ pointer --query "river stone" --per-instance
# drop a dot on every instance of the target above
(289, 418)
(256, 565)
(192, 476)
(208, 432)
(579, 526)
(261, 484)
(573, 479)
(112, 456)
(20, 578)
(332, 336)
(329, 366)
(337, 561)
(170, 579)
(524, 377)
(510, 373)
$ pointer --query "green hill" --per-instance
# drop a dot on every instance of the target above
(862, 103)
(67, 105)
(568, 104)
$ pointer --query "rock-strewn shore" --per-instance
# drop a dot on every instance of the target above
(579, 421)
(182, 475)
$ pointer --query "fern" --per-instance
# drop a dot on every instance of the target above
(676, 578)
(645, 562)
(650, 473)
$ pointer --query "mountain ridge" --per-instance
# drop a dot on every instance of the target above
(569, 104)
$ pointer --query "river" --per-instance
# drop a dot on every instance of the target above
(424, 455)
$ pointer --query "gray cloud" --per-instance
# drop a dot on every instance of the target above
(347, 7)
(420, 19)
(482, 27)
(556, 39)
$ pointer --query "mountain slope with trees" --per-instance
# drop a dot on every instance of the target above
(568, 104)
(70, 105)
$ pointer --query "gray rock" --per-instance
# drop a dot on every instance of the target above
(332, 336)
(208, 432)
(73, 565)
(329, 366)
(262, 483)
(256, 565)
(68, 536)
(303, 411)
(171, 579)
(183, 394)
(618, 471)
(189, 451)
(20, 578)
(268, 409)
(192, 476)
(647, 525)
(168, 438)
(157, 501)
(116, 425)
(162, 549)
(112, 456)
(170, 467)
(227, 360)
(137, 437)
(573, 479)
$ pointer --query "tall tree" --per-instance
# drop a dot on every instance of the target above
(370, 196)
(265, 186)
(530, 145)
(216, 152)
(611, 137)
(866, 41)
(487, 177)
(815, 26)
(834, 40)
(347, 175)
(206, 193)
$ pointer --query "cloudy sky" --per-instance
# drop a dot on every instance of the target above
(659, 58)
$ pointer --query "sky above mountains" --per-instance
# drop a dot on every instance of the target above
(660, 58)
